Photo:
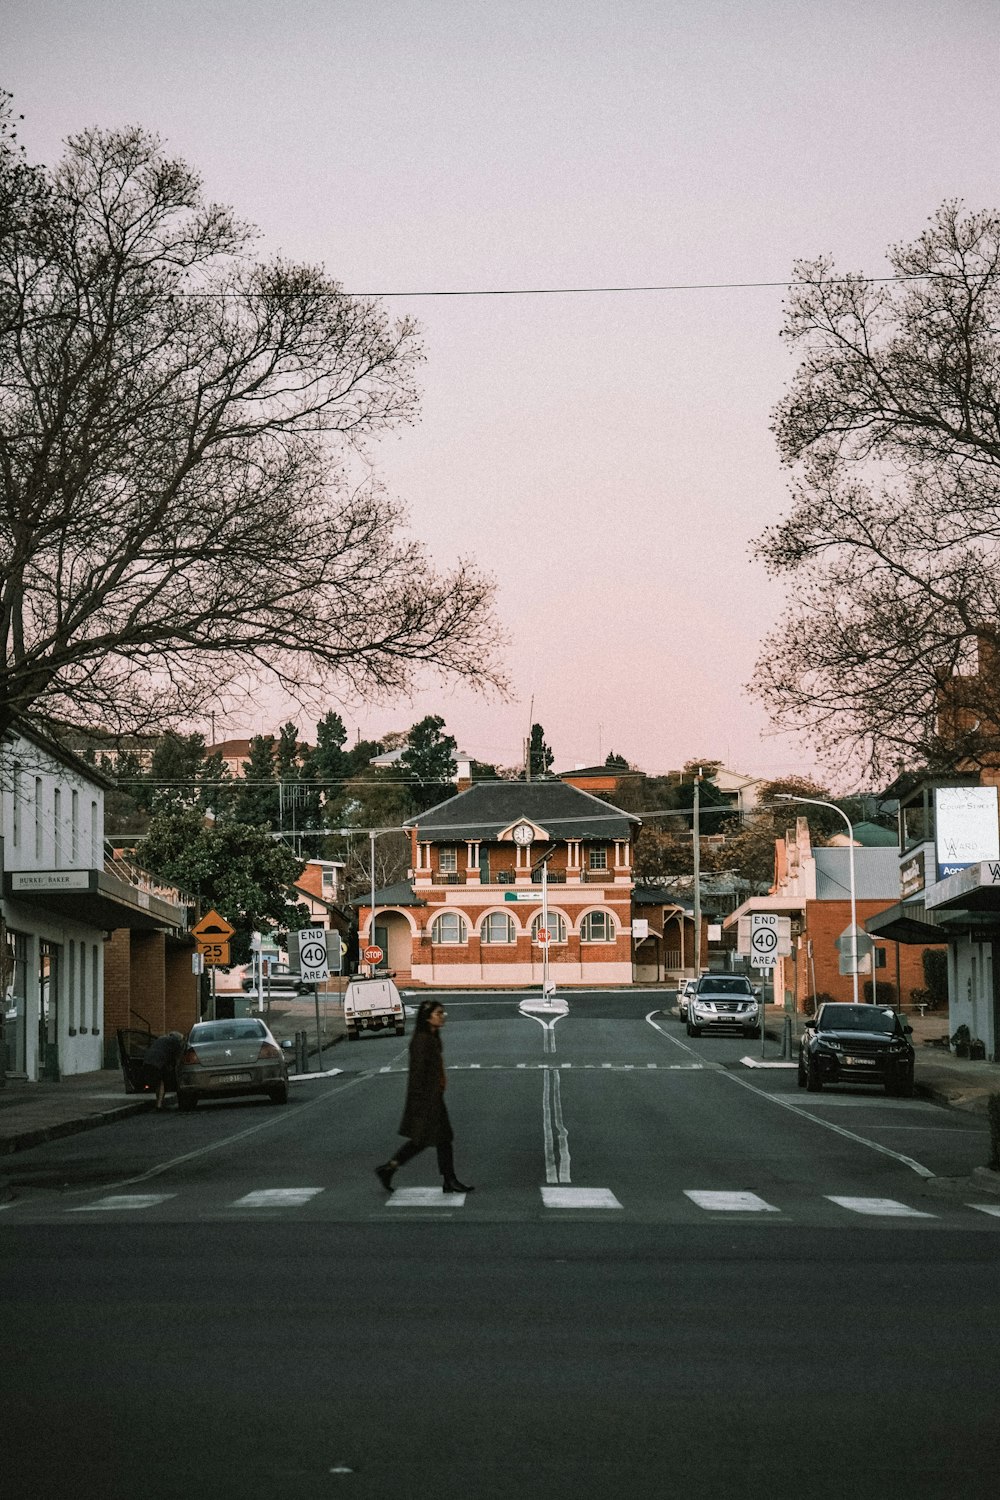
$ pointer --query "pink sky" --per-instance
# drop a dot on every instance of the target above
(607, 457)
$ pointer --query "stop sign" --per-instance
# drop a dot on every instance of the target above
(372, 954)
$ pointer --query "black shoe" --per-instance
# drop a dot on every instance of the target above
(384, 1175)
(452, 1185)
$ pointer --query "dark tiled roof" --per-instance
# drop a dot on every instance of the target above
(400, 894)
(563, 811)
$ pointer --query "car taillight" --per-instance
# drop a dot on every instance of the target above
(268, 1050)
(190, 1056)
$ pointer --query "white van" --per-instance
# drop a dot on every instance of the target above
(372, 1005)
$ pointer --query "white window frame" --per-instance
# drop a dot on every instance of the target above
(555, 925)
(462, 929)
(448, 859)
(496, 916)
(586, 936)
(597, 857)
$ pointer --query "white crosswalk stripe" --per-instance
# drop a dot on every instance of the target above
(277, 1198)
(116, 1202)
(425, 1197)
(887, 1208)
(730, 1203)
(526, 1199)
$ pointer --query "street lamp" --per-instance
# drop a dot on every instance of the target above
(818, 802)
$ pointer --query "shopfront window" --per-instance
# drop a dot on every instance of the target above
(15, 1007)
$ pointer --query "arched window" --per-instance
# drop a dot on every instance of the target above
(555, 926)
(498, 927)
(449, 927)
(597, 927)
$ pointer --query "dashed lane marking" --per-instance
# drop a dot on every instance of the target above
(986, 1208)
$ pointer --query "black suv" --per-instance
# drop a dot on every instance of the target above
(856, 1044)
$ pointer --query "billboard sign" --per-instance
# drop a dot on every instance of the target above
(966, 826)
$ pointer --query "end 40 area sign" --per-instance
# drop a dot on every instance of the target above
(765, 937)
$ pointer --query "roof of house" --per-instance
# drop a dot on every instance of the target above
(400, 894)
(489, 807)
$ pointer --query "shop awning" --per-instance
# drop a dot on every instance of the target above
(94, 897)
(906, 922)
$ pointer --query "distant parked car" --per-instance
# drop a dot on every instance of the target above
(684, 994)
(856, 1044)
(723, 1002)
(227, 1058)
(280, 981)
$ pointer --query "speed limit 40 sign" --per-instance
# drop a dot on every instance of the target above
(764, 937)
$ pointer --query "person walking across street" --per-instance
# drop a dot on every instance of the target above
(425, 1119)
(160, 1062)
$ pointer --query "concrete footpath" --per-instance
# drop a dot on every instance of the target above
(31, 1113)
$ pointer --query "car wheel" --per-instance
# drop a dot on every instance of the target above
(278, 1095)
(353, 1034)
(813, 1081)
(752, 1031)
(693, 1030)
(186, 1100)
(400, 1030)
(800, 1076)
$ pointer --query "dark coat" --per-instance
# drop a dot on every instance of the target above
(425, 1120)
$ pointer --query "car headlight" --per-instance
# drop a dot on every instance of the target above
(823, 1045)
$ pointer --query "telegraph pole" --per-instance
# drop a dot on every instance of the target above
(697, 872)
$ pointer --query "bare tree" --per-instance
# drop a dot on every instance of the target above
(185, 508)
(888, 648)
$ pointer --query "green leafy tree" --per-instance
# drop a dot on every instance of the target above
(429, 762)
(540, 756)
(175, 770)
(238, 869)
(257, 799)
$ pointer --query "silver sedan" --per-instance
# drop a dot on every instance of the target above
(227, 1058)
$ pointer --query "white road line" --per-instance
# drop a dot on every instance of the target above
(796, 1109)
(276, 1198)
(730, 1203)
(119, 1201)
(278, 1118)
(424, 1197)
(849, 1135)
(888, 1208)
(986, 1208)
(548, 1025)
(570, 1197)
(554, 1132)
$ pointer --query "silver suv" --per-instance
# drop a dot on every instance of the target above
(723, 1002)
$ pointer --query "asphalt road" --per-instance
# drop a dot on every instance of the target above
(677, 1274)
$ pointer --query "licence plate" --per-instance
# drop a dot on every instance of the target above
(222, 1078)
(860, 1062)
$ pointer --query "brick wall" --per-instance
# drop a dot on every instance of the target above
(825, 921)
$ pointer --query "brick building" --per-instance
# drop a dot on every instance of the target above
(472, 912)
(812, 888)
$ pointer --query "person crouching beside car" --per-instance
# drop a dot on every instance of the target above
(160, 1063)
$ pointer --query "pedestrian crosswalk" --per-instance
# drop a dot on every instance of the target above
(354, 1199)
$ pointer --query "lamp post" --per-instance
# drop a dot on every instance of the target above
(818, 802)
